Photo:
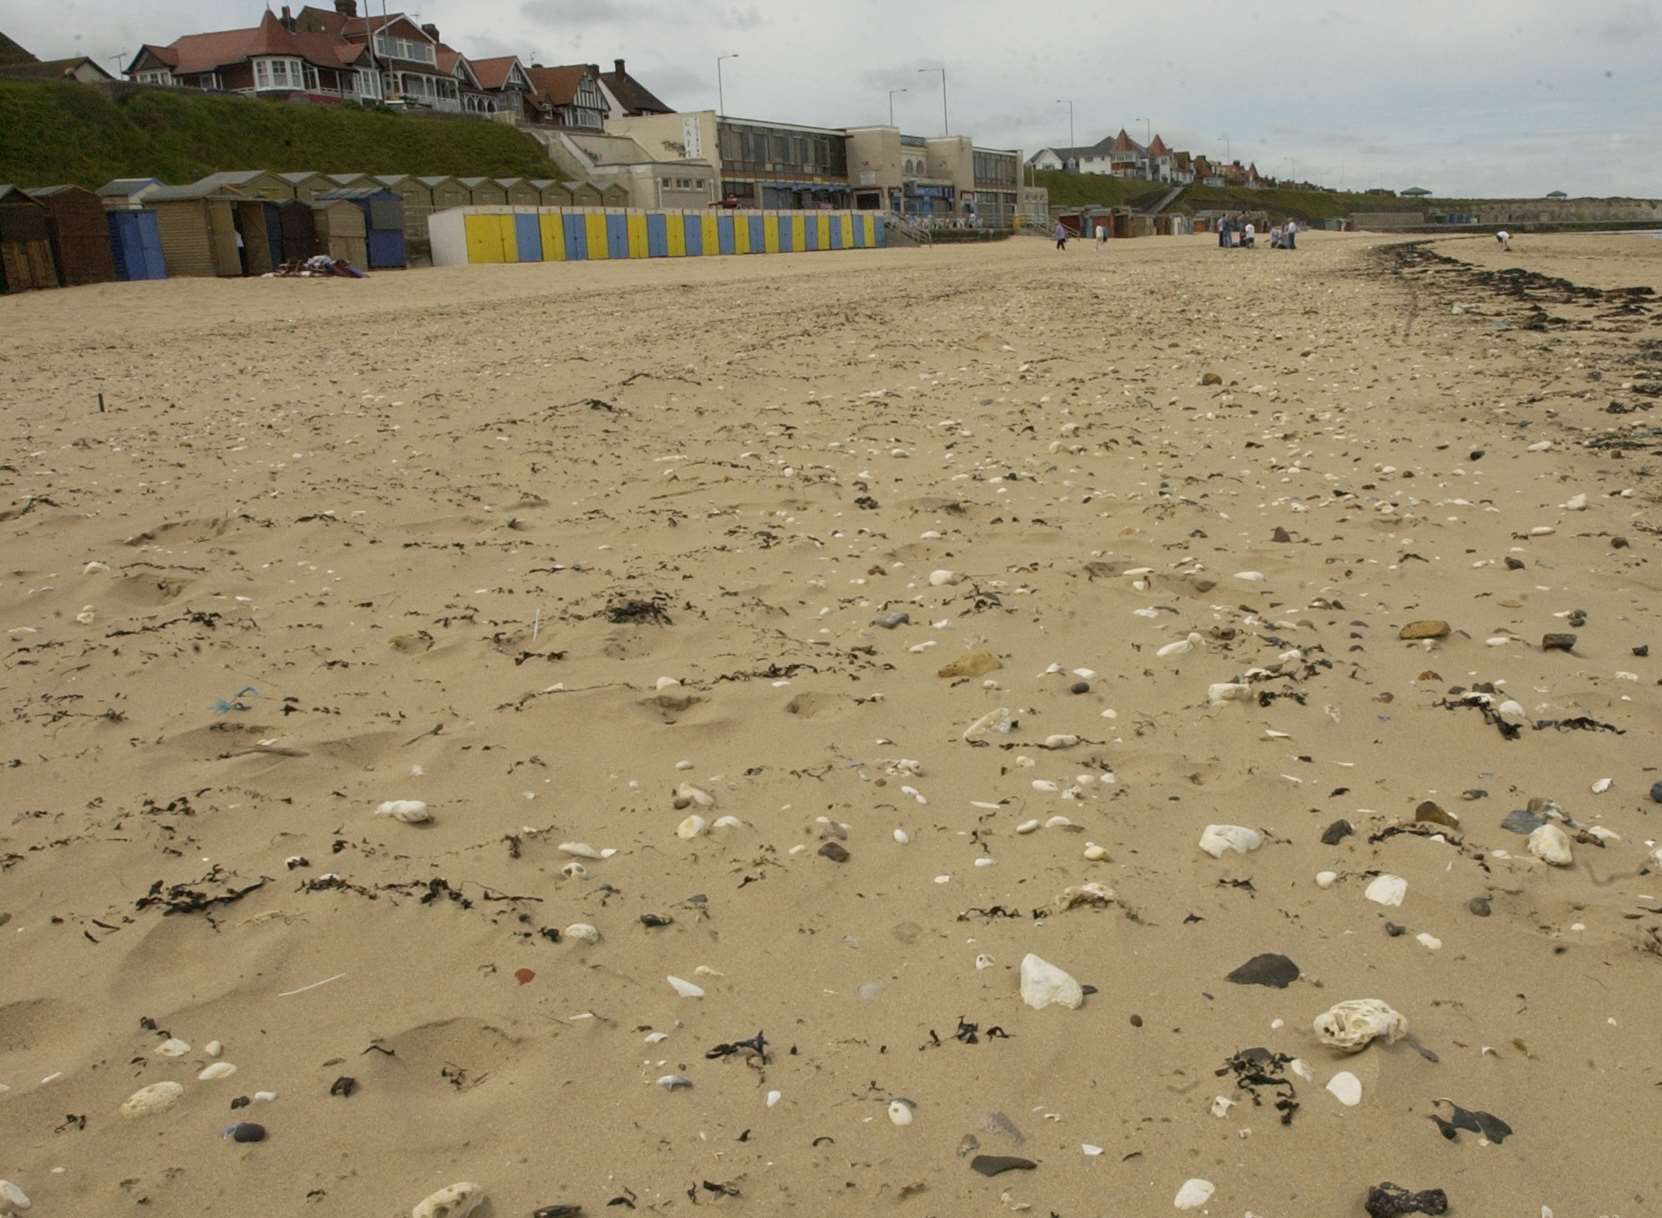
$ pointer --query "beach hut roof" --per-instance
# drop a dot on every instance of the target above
(352, 194)
(199, 190)
(440, 180)
(123, 188)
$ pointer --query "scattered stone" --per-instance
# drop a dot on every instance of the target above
(1326, 879)
(835, 851)
(900, 1112)
(216, 1071)
(1389, 1201)
(1523, 821)
(1430, 812)
(888, 621)
(245, 1131)
(1211, 378)
(1551, 845)
(405, 811)
(456, 1201)
(1218, 840)
(675, 1082)
(1558, 642)
(1043, 985)
(13, 1200)
(685, 988)
(1080, 687)
(692, 827)
(1337, 832)
(1386, 890)
(1346, 1088)
(689, 796)
(997, 1165)
(1268, 969)
(1353, 1024)
(1656, 792)
(582, 932)
(1429, 628)
(943, 578)
(1479, 906)
(148, 1101)
(172, 1047)
(1194, 1194)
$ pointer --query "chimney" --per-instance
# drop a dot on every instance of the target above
(347, 8)
(618, 64)
(287, 19)
(431, 30)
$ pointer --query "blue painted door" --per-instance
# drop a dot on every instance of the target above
(617, 236)
(274, 232)
(386, 248)
(694, 226)
(657, 236)
(124, 245)
(528, 231)
(758, 235)
(836, 233)
(150, 243)
(577, 237)
(859, 231)
(724, 230)
(785, 239)
(877, 227)
(810, 233)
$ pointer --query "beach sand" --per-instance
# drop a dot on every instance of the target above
(517, 542)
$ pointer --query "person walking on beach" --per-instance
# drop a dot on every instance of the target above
(1223, 233)
(1061, 235)
(1505, 239)
(1249, 236)
(1290, 235)
(1101, 236)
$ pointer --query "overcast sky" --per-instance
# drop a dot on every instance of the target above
(1471, 97)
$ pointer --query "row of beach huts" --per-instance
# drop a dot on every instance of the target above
(245, 223)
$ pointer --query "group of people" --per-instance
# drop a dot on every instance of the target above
(1235, 234)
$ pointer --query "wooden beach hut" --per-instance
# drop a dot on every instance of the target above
(298, 226)
(79, 235)
(586, 194)
(447, 193)
(520, 192)
(614, 194)
(341, 233)
(198, 229)
(136, 243)
(483, 192)
(127, 192)
(252, 184)
(348, 181)
(25, 244)
(552, 193)
(307, 186)
(383, 214)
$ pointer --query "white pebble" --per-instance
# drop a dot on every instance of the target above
(1027, 826)
(13, 1200)
(903, 837)
(216, 1071)
(1386, 890)
(774, 1097)
(405, 811)
(1551, 845)
(457, 1201)
(265, 1097)
(900, 1113)
(1346, 1088)
(582, 932)
(685, 988)
(1429, 941)
(1218, 840)
(1194, 1194)
(940, 579)
(1326, 879)
(213, 1048)
(172, 1047)
(1603, 785)
(148, 1101)
(690, 828)
(1043, 985)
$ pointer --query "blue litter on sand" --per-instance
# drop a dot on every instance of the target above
(224, 706)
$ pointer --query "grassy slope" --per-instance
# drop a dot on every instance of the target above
(1072, 189)
(55, 133)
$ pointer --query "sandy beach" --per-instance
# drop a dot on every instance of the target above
(572, 554)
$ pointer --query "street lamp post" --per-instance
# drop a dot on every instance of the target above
(892, 92)
(946, 123)
(1228, 155)
(721, 91)
(1148, 130)
(1068, 102)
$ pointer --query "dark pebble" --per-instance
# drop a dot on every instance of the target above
(242, 1101)
(1389, 1201)
(653, 921)
(1642, 650)
(1269, 969)
(1514, 564)
(1281, 535)
(1337, 832)
(1558, 642)
(1523, 821)
(1136, 1021)
(1618, 543)
(245, 1131)
(835, 852)
(558, 1211)
(1479, 906)
(1578, 619)
(889, 621)
(1477, 454)
(1656, 792)
(1080, 687)
(1395, 931)
(997, 1165)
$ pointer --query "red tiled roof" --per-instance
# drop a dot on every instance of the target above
(195, 54)
(559, 85)
(1158, 148)
(494, 73)
(633, 96)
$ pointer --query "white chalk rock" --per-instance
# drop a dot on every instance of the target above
(1429, 941)
(265, 1097)
(1043, 985)
(96, 568)
(1603, 785)
(582, 932)
(1180, 647)
(172, 1047)
(1351, 1025)
(574, 871)
(1221, 1104)
(993, 721)
(1346, 1088)
(1028, 826)
(687, 796)
(1576, 503)
(1218, 840)
(774, 1097)
(900, 1112)
(902, 837)
(213, 1048)
(216, 1071)
(405, 811)
(1512, 713)
(727, 822)
(579, 850)
(942, 578)
(685, 988)
(1228, 691)
(148, 1101)
(13, 1200)
(1251, 577)
(1062, 740)
(1095, 853)
(1551, 845)
(1194, 1194)
(457, 1201)
(691, 827)
(1326, 879)
(1386, 890)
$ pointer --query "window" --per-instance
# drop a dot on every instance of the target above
(407, 49)
(262, 74)
(162, 77)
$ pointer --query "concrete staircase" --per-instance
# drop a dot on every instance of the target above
(1166, 200)
(899, 231)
